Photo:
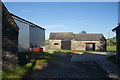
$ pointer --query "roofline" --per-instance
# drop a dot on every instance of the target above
(27, 21)
(78, 34)
(93, 33)
(15, 25)
(61, 32)
(116, 28)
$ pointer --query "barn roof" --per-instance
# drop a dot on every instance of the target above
(116, 28)
(62, 36)
(88, 37)
(77, 37)
(25, 21)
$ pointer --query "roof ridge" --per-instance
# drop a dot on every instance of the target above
(80, 37)
(9, 15)
(93, 33)
(61, 32)
(31, 23)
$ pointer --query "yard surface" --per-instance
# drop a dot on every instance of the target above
(62, 67)
(74, 65)
(67, 64)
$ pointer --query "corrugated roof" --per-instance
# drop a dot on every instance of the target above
(77, 37)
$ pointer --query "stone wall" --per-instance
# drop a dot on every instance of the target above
(52, 42)
(118, 46)
(77, 45)
(81, 45)
(9, 41)
(101, 46)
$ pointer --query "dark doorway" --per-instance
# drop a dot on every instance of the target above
(66, 45)
(90, 46)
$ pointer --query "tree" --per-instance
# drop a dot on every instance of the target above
(83, 32)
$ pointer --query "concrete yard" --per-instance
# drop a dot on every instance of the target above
(113, 70)
(63, 67)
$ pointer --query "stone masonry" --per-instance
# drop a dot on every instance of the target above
(9, 40)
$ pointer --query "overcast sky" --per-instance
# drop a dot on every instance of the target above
(93, 17)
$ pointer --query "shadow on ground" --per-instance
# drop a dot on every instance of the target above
(63, 67)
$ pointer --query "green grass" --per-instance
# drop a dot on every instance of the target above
(74, 50)
(112, 58)
(112, 40)
(19, 71)
(34, 55)
(46, 41)
(15, 72)
(111, 48)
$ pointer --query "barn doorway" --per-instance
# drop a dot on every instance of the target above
(66, 45)
(90, 46)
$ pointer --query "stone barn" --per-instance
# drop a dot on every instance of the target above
(18, 35)
(70, 41)
(10, 33)
(117, 30)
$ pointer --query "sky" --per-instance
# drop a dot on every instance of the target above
(60, 0)
(92, 17)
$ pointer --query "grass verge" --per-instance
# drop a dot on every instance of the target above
(15, 72)
(74, 50)
(37, 58)
(111, 48)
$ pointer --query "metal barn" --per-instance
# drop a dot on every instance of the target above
(30, 34)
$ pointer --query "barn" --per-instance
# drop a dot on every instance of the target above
(17, 35)
(117, 30)
(9, 39)
(70, 41)
(30, 34)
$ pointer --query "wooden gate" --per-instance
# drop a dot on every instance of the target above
(66, 45)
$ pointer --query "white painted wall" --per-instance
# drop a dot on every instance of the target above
(23, 37)
(37, 37)
(52, 46)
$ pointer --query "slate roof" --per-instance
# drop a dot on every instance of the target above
(62, 36)
(77, 37)
(88, 37)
